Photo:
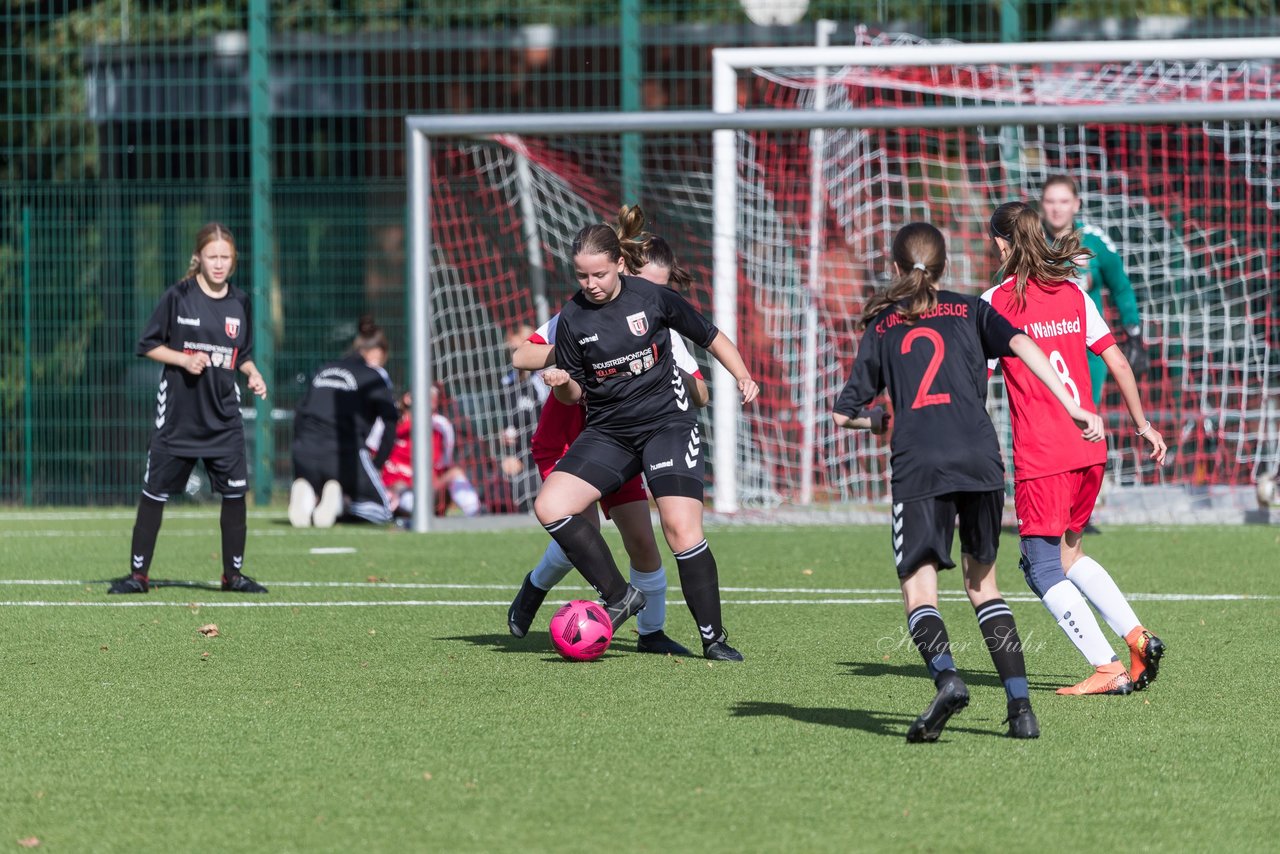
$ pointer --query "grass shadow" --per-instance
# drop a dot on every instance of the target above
(892, 724)
(873, 669)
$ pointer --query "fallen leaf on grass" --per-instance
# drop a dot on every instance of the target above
(426, 775)
(102, 648)
(210, 630)
(808, 572)
(204, 656)
(30, 842)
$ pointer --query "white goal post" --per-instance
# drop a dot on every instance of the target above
(727, 124)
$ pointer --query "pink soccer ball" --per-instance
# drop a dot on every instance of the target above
(581, 630)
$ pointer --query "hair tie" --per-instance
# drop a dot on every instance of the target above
(918, 266)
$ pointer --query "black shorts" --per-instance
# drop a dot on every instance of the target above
(922, 530)
(670, 457)
(168, 475)
(361, 481)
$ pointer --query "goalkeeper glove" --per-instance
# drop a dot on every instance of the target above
(1135, 350)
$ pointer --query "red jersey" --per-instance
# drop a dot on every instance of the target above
(1065, 323)
(398, 468)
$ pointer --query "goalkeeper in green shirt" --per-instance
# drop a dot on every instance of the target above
(1059, 207)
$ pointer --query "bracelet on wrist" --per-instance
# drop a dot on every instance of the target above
(1144, 429)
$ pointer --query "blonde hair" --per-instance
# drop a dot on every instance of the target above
(208, 234)
(1031, 255)
(920, 251)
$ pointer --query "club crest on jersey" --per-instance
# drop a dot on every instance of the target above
(637, 323)
(232, 327)
(637, 367)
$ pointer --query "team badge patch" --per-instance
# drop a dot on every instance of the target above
(637, 323)
(232, 327)
(637, 367)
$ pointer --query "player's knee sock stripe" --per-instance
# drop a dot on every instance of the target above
(162, 497)
(145, 530)
(1000, 632)
(654, 587)
(234, 525)
(929, 633)
(1097, 585)
(692, 551)
(700, 582)
(586, 548)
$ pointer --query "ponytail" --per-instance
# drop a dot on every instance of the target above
(1031, 255)
(920, 252)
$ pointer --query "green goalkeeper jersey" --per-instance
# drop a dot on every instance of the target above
(1106, 270)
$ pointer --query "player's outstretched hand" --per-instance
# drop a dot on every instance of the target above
(196, 363)
(1158, 447)
(1090, 424)
(555, 377)
(257, 384)
(750, 391)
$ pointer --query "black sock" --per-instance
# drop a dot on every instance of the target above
(930, 635)
(1001, 634)
(587, 550)
(700, 583)
(145, 529)
(234, 530)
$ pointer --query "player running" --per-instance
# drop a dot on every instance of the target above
(1057, 475)
(202, 332)
(613, 348)
(649, 257)
(928, 348)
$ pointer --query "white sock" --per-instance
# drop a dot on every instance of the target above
(464, 495)
(552, 569)
(406, 501)
(1075, 619)
(1096, 584)
(654, 587)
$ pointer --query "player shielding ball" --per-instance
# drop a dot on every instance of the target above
(1056, 474)
(649, 257)
(928, 348)
(202, 332)
(613, 347)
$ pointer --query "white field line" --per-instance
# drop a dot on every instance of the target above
(944, 595)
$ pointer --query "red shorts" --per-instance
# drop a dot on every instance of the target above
(1051, 505)
(632, 490)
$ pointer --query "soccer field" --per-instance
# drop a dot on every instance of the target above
(374, 701)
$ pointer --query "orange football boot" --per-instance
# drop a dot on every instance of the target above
(1110, 678)
(1145, 652)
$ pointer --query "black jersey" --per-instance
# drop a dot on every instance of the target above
(348, 406)
(620, 353)
(199, 416)
(935, 371)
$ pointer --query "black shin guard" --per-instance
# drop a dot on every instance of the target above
(587, 550)
(700, 583)
(234, 530)
(146, 528)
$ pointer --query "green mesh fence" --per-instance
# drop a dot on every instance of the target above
(128, 124)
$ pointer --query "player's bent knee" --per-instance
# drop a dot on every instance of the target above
(1041, 563)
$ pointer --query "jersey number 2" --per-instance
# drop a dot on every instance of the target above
(923, 398)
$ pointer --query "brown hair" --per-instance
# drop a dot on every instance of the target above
(648, 248)
(603, 240)
(1061, 180)
(920, 251)
(1031, 255)
(369, 336)
(210, 232)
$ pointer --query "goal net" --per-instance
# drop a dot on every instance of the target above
(1190, 207)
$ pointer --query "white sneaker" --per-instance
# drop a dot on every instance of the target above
(302, 503)
(330, 506)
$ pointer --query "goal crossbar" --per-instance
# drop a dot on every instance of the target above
(724, 120)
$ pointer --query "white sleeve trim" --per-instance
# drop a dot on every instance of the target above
(1095, 328)
(680, 352)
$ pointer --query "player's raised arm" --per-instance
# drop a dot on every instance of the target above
(1026, 349)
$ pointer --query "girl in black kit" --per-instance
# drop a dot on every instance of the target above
(613, 348)
(929, 349)
(202, 332)
(343, 431)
